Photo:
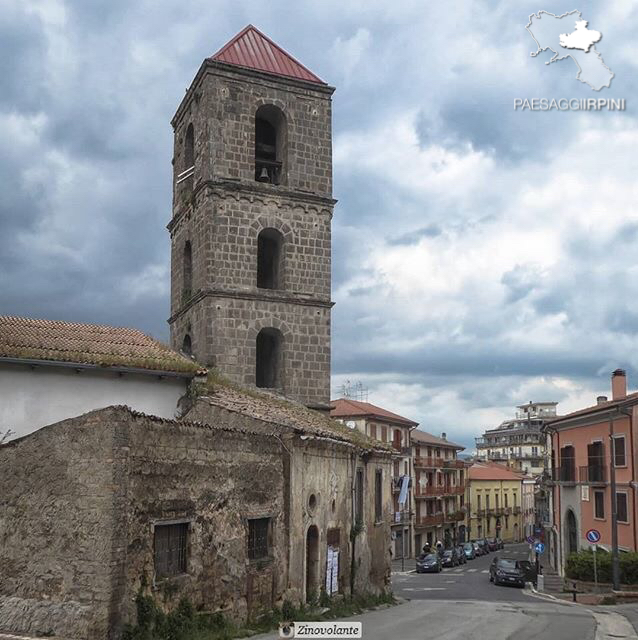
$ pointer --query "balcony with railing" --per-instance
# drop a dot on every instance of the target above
(428, 462)
(516, 511)
(453, 464)
(429, 520)
(401, 517)
(440, 490)
(454, 516)
(593, 474)
(566, 473)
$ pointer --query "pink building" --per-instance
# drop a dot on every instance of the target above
(583, 444)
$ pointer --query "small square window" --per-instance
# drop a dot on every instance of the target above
(170, 542)
(258, 538)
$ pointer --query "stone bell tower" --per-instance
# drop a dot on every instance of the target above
(252, 210)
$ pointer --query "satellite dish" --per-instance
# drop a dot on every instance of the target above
(351, 423)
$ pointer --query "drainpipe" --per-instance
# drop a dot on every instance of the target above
(615, 568)
(630, 415)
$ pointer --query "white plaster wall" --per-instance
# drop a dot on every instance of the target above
(32, 398)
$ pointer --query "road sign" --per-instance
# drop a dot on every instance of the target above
(593, 536)
(539, 547)
(530, 539)
(537, 531)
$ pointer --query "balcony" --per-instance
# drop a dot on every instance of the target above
(453, 464)
(401, 517)
(455, 516)
(443, 490)
(593, 474)
(480, 513)
(565, 474)
(428, 462)
(399, 448)
(429, 521)
(516, 511)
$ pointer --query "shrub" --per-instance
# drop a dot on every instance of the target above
(580, 566)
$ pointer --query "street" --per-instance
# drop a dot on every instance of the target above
(461, 603)
(468, 581)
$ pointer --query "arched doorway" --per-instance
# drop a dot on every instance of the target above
(571, 533)
(312, 563)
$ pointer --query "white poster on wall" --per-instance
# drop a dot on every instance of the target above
(329, 561)
(335, 572)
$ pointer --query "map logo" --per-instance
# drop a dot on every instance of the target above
(569, 37)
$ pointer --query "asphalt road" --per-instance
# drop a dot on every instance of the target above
(481, 620)
(470, 581)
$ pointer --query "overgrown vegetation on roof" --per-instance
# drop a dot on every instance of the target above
(269, 407)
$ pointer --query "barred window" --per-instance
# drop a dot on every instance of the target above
(170, 549)
(258, 543)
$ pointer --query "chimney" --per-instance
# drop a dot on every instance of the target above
(618, 384)
(444, 436)
(601, 399)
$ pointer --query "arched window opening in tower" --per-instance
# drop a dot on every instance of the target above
(270, 144)
(185, 178)
(187, 287)
(269, 359)
(269, 259)
(187, 346)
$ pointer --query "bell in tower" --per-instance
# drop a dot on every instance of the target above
(251, 225)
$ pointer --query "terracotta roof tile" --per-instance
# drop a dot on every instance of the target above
(427, 438)
(88, 344)
(491, 471)
(347, 408)
(250, 48)
(282, 412)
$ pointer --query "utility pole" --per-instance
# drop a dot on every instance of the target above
(615, 567)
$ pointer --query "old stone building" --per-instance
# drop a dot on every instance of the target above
(252, 210)
(252, 494)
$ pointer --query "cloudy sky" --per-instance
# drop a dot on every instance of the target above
(483, 257)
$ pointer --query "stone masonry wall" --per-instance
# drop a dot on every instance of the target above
(215, 480)
(56, 524)
(224, 217)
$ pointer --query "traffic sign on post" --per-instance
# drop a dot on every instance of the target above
(593, 536)
(539, 547)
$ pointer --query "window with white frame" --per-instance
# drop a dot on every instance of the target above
(621, 507)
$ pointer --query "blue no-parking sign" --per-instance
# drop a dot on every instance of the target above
(539, 547)
(593, 536)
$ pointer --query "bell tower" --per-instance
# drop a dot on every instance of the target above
(251, 225)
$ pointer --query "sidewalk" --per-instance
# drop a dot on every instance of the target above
(409, 564)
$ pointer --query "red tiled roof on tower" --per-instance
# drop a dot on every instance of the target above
(252, 49)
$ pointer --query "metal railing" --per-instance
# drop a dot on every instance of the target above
(429, 521)
(453, 464)
(593, 474)
(442, 490)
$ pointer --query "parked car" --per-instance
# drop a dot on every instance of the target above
(529, 570)
(492, 544)
(506, 571)
(482, 542)
(428, 563)
(460, 553)
(450, 558)
(500, 543)
(469, 551)
(478, 550)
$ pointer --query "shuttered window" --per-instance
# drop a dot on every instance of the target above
(258, 534)
(170, 549)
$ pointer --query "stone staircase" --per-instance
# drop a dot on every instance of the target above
(552, 583)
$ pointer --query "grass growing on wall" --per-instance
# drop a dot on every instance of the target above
(184, 623)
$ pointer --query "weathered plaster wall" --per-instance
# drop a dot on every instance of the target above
(62, 393)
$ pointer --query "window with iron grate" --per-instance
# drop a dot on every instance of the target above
(170, 549)
(258, 538)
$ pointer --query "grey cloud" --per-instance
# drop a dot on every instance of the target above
(413, 237)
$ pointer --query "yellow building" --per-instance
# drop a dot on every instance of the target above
(494, 503)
